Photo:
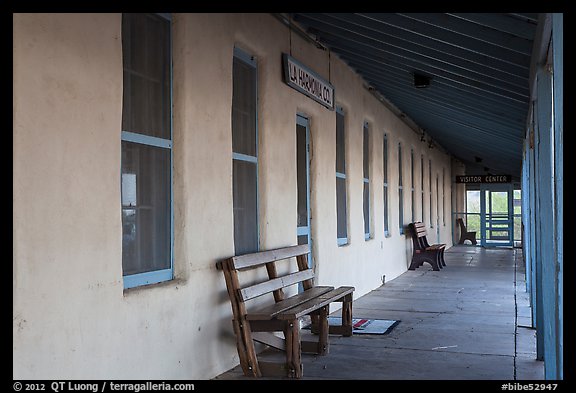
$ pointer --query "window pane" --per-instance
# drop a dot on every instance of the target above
(366, 208)
(399, 164)
(303, 239)
(145, 208)
(385, 155)
(365, 154)
(342, 230)
(244, 108)
(245, 207)
(430, 190)
(401, 210)
(472, 201)
(386, 209)
(301, 174)
(340, 151)
(146, 63)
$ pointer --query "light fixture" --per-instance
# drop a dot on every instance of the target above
(421, 81)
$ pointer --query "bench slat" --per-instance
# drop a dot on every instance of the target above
(263, 257)
(314, 304)
(270, 312)
(271, 285)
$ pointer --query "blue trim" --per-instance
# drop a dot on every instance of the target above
(167, 16)
(244, 157)
(341, 175)
(171, 150)
(245, 56)
(342, 241)
(128, 136)
(147, 278)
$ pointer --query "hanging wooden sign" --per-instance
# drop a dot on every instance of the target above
(306, 81)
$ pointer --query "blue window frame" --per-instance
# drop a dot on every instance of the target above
(146, 138)
(443, 197)
(412, 198)
(400, 192)
(422, 188)
(245, 152)
(366, 180)
(430, 191)
(385, 159)
(341, 208)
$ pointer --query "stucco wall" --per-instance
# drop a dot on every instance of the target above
(72, 318)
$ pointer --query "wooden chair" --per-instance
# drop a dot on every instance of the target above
(464, 234)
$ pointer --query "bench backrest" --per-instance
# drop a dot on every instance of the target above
(461, 225)
(240, 294)
(418, 231)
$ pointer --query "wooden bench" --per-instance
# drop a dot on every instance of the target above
(464, 234)
(423, 251)
(284, 313)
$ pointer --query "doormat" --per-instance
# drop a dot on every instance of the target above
(365, 326)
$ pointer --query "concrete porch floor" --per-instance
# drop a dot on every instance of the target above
(468, 321)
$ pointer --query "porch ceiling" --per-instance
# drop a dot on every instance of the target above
(478, 64)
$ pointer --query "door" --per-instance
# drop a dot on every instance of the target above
(303, 181)
(496, 211)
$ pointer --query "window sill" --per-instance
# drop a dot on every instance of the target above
(343, 244)
(175, 282)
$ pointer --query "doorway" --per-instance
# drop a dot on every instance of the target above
(496, 215)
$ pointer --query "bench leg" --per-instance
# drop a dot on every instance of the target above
(293, 349)
(347, 315)
(439, 259)
(416, 262)
(246, 350)
(314, 323)
(323, 331)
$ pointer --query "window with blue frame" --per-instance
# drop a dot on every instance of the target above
(430, 190)
(385, 158)
(146, 162)
(341, 212)
(422, 188)
(366, 181)
(443, 197)
(400, 192)
(412, 196)
(245, 152)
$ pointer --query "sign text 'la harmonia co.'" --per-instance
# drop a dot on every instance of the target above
(306, 81)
